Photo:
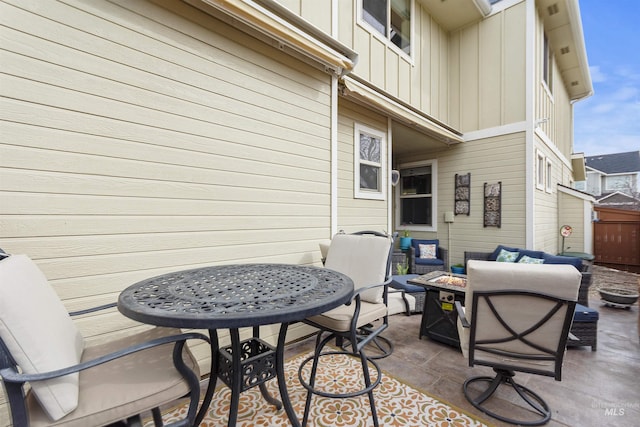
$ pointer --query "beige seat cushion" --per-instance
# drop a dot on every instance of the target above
(339, 318)
(39, 333)
(520, 312)
(126, 386)
(363, 258)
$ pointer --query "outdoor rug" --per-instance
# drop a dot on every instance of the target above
(397, 404)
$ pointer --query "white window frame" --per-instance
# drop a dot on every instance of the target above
(361, 193)
(547, 65)
(386, 38)
(434, 197)
(540, 170)
(549, 175)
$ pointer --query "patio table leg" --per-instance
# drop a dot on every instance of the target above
(213, 376)
(282, 385)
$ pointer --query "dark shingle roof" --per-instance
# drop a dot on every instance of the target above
(615, 163)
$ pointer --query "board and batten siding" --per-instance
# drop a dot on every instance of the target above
(140, 138)
(420, 80)
(488, 69)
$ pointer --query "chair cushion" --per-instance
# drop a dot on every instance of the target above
(39, 333)
(402, 282)
(424, 261)
(585, 314)
(530, 253)
(339, 318)
(129, 385)
(561, 281)
(364, 259)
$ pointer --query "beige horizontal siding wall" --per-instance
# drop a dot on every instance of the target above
(487, 66)
(356, 214)
(137, 139)
(488, 160)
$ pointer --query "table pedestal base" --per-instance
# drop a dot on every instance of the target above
(244, 365)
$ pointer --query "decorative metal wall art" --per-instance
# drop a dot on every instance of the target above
(492, 204)
(463, 194)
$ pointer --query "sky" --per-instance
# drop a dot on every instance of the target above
(609, 121)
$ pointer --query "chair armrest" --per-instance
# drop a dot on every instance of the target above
(482, 256)
(444, 256)
(359, 291)
(403, 294)
(10, 375)
(93, 309)
(461, 315)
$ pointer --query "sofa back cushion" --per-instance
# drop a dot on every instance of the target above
(38, 332)
(530, 254)
(558, 259)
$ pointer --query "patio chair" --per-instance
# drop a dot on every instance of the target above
(516, 318)
(366, 258)
(427, 256)
(51, 376)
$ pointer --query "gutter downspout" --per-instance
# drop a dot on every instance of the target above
(333, 191)
(530, 64)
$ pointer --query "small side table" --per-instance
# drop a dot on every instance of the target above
(439, 317)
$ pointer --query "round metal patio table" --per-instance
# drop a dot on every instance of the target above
(233, 297)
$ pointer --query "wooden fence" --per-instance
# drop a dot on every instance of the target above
(617, 239)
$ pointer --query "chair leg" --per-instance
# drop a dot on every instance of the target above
(367, 382)
(312, 376)
(384, 346)
(533, 400)
(135, 421)
(157, 417)
(310, 385)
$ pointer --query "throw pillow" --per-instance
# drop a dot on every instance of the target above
(428, 251)
(530, 260)
(506, 256)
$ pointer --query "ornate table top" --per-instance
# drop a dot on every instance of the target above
(235, 296)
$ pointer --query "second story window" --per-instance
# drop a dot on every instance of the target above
(392, 19)
(547, 64)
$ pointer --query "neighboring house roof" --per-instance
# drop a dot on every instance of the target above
(615, 163)
(619, 200)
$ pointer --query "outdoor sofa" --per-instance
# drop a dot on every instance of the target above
(524, 255)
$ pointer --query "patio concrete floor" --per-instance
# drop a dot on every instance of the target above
(598, 388)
